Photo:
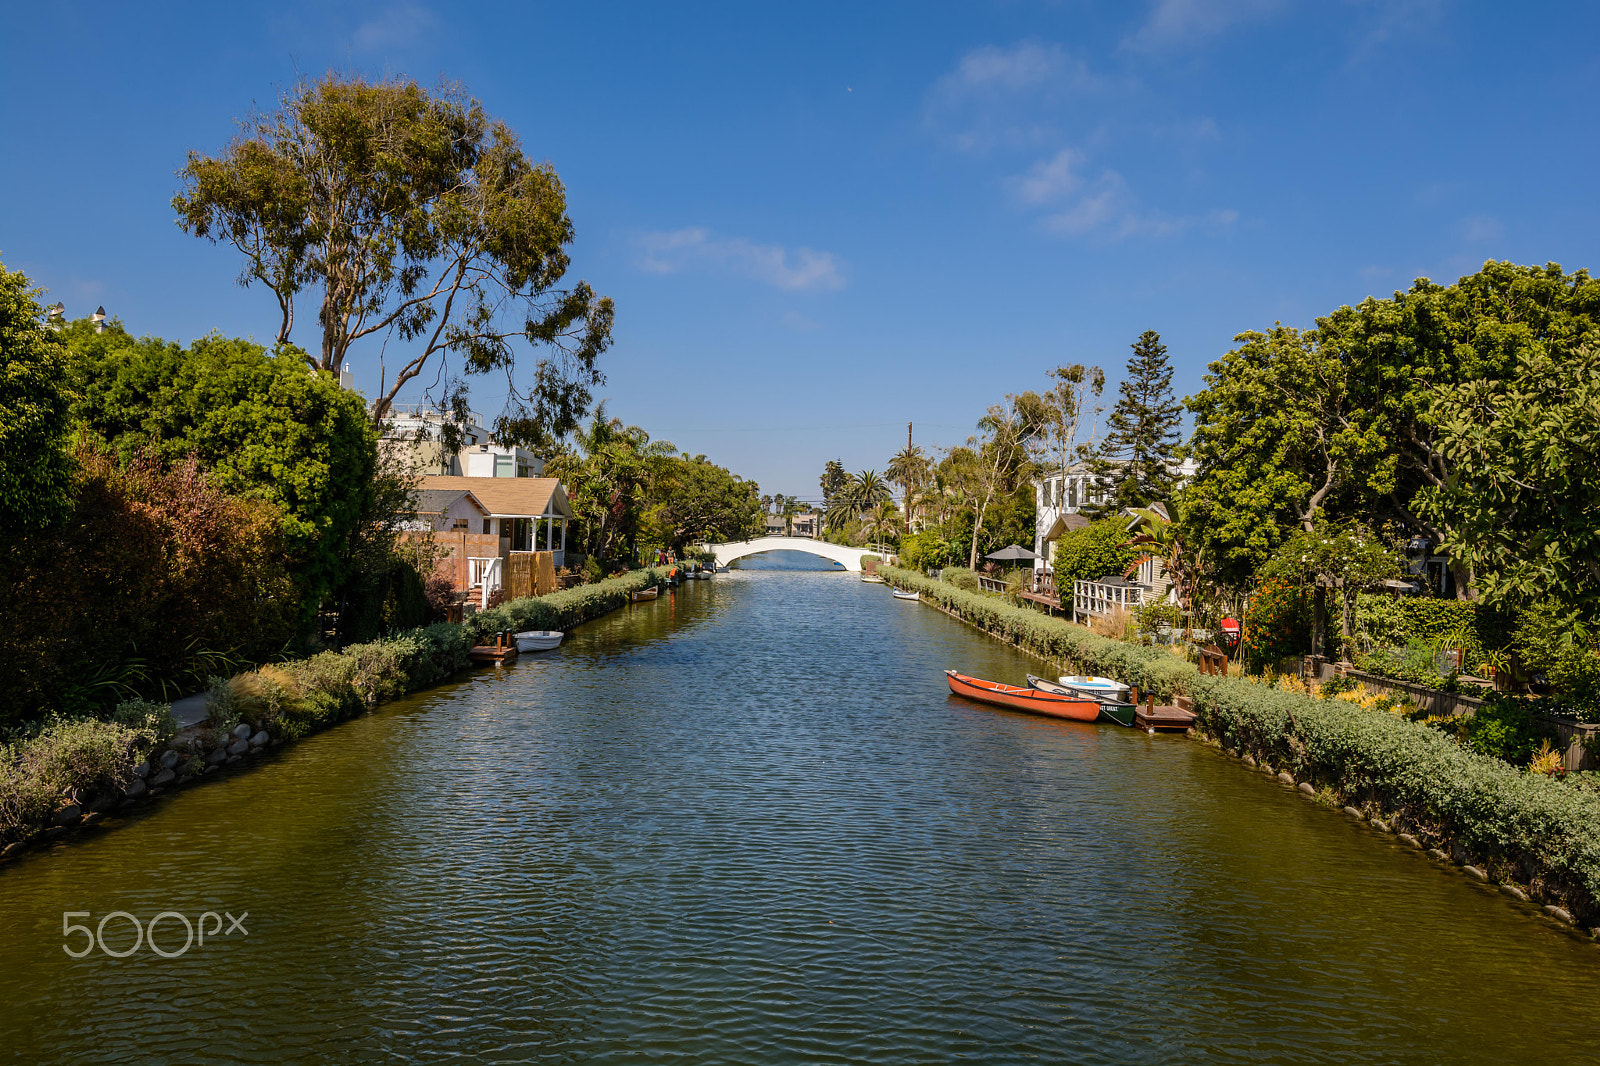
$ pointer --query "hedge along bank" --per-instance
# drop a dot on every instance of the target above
(1519, 827)
(76, 771)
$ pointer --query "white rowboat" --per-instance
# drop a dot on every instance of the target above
(539, 640)
(1098, 687)
(907, 595)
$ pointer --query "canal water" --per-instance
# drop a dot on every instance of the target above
(747, 824)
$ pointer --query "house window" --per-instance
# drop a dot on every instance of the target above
(1072, 494)
(505, 466)
(488, 526)
(521, 534)
(459, 526)
(524, 469)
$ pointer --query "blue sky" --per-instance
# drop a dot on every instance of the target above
(840, 218)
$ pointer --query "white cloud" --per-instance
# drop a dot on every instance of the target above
(397, 26)
(1108, 211)
(1178, 23)
(995, 93)
(799, 270)
(1049, 179)
(1097, 209)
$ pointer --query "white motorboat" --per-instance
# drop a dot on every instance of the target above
(1098, 687)
(907, 595)
(539, 640)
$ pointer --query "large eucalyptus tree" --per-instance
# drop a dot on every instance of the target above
(416, 218)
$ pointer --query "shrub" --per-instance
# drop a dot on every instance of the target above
(146, 717)
(1155, 615)
(1551, 642)
(1503, 728)
(960, 577)
(1277, 625)
(67, 755)
(1098, 550)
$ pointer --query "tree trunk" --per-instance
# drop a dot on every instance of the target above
(1319, 620)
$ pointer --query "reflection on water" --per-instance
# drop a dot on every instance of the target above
(747, 823)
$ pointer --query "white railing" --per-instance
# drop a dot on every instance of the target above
(485, 572)
(993, 584)
(1095, 598)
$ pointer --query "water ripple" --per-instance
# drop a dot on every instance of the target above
(747, 823)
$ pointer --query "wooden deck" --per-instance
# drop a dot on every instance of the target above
(503, 650)
(1152, 717)
(1040, 598)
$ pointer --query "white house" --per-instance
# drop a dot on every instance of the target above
(1060, 496)
(416, 429)
(1059, 499)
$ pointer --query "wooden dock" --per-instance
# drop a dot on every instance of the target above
(1150, 717)
(503, 650)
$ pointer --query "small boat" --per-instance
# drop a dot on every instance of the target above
(645, 594)
(1097, 687)
(723, 570)
(873, 579)
(1120, 713)
(907, 595)
(1023, 699)
(539, 640)
(1110, 709)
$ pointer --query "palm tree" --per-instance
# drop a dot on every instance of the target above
(791, 507)
(867, 490)
(908, 467)
(882, 521)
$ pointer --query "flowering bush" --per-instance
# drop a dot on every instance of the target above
(1277, 624)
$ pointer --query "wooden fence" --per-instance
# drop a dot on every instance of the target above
(530, 574)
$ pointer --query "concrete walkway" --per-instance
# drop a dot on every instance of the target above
(191, 710)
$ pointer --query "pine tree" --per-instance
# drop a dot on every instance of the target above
(1137, 461)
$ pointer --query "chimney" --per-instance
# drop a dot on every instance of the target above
(99, 319)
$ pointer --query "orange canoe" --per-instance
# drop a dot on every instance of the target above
(1031, 700)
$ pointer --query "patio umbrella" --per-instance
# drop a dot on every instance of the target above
(1016, 553)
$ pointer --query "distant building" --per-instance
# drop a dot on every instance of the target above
(805, 524)
(416, 430)
(1060, 496)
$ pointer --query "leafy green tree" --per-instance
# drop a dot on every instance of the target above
(35, 472)
(995, 462)
(417, 214)
(1136, 462)
(696, 500)
(1069, 402)
(1521, 503)
(1098, 550)
(258, 423)
(1350, 558)
(1407, 356)
(833, 480)
(609, 485)
(1280, 438)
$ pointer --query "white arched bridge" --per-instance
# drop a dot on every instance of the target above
(850, 558)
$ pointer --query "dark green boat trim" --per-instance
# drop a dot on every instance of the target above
(1120, 713)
